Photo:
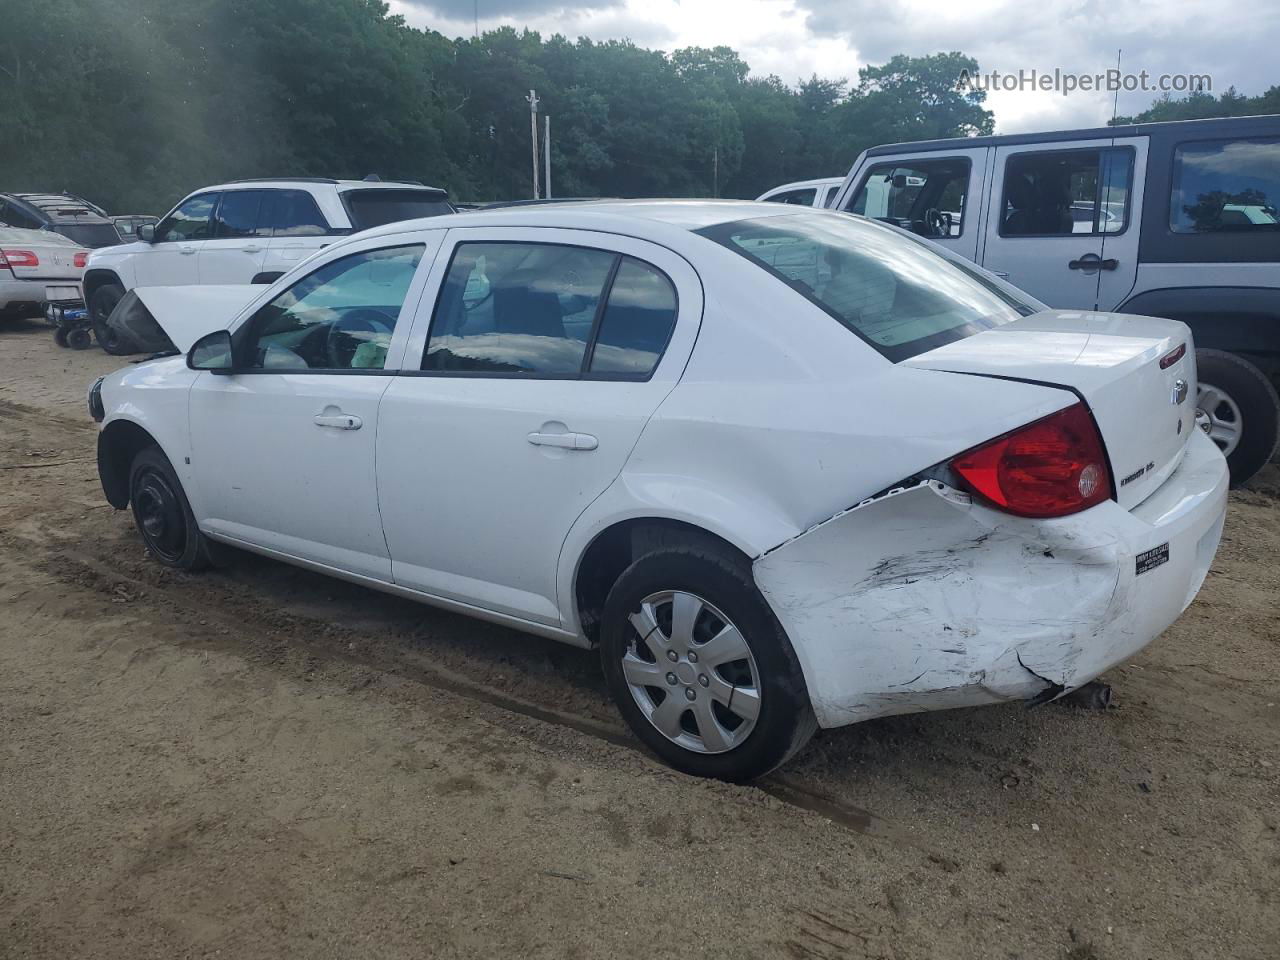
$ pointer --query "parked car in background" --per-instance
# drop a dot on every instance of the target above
(1171, 220)
(128, 224)
(805, 193)
(247, 231)
(31, 260)
(73, 217)
(575, 419)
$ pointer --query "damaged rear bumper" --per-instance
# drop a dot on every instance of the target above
(923, 600)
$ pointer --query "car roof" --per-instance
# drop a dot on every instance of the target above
(303, 182)
(626, 217)
(1212, 127)
(801, 184)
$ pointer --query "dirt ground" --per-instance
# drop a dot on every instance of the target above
(261, 762)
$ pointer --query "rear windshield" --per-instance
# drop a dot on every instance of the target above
(90, 234)
(372, 208)
(897, 293)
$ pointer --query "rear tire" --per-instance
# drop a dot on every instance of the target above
(101, 305)
(707, 733)
(162, 514)
(1238, 407)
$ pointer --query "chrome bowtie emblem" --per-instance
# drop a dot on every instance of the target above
(1180, 391)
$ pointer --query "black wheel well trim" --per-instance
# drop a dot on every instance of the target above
(118, 443)
(94, 279)
(619, 545)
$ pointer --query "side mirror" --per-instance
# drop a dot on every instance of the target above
(899, 181)
(146, 233)
(212, 352)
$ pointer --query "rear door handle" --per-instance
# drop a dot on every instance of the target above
(186, 251)
(1091, 261)
(338, 421)
(252, 248)
(568, 441)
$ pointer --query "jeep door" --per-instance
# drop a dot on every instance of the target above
(236, 249)
(1063, 221)
(172, 259)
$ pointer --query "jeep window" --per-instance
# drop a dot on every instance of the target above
(190, 221)
(1066, 192)
(926, 197)
(802, 197)
(372, 208)
(237, 214)
(1226, 185)
(291, 213)
(339, 317)
(897, 293)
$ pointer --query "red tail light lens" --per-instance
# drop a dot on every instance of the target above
(1050, 468)
(81, 258)
(21, 258)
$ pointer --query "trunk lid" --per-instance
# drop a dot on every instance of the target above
(1145, 412)
(54, 255)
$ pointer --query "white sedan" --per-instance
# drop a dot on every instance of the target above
(785, 468)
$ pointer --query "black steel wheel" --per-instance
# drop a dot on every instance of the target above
(163, 515)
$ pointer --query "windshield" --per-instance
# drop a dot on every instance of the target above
(372, 208)
(90, 234)
(896, 292)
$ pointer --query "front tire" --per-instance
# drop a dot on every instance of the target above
(700, 668)
(101, 305)
(1237, 406)
(163, 515)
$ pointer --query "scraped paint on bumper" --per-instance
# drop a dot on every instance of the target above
(923, 600)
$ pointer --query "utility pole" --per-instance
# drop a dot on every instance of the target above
(477, 15)
(546, 151)
(715, 172)
(533, 128)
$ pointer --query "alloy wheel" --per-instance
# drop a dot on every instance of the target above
(692, 673)
(1218, 415)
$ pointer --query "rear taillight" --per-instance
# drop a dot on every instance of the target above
(1049, 468)
(81, 259)
(21, 258)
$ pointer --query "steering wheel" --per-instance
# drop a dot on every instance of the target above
(340, 347)
(936, 222)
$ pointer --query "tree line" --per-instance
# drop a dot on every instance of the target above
(132, 103)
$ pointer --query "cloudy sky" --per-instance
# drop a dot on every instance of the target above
(1231, 40)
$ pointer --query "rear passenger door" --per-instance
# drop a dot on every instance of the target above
(296, 228)
(1062, 223)
(937, 196)
(534, 369)
(235, 252)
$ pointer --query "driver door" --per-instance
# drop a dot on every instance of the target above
(283, 446)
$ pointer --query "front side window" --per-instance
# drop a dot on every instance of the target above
(291, 213)
(341, 317)
(924, 196)
(1226, 185)
(237, 214)
(893, 291)
(190, 221)
(802, 197)
(1066, 193)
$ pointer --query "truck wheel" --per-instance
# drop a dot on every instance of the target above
(101, 305)
(1237, 406)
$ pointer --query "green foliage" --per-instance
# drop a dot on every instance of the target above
(135, 102)
(1202, 106)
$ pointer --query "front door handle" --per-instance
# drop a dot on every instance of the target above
(338, 421)
(568, 441)
(186, 251)
(1091, 261)
(252, 248)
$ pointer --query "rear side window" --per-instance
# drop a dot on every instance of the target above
(372, 208)
(552, 311)
(926, 197)
(1226, 185)
(15, 216)
(237, 214)
(291, 213)
(92, 235)
(190, 221)
(637, 321)
(1066, 193)
(895, 292)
